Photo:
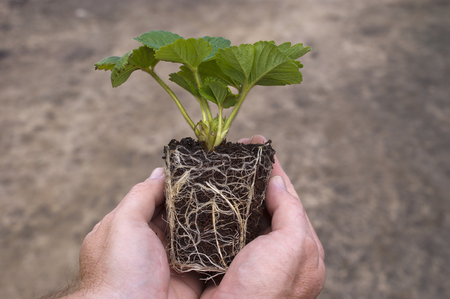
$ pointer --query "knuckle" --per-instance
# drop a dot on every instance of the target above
(316, 286)
(317, 267)
(319, 280)
(311, 246)
(106, 221)
(311, 280)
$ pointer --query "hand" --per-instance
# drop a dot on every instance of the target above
(124, 255)
(287, 261)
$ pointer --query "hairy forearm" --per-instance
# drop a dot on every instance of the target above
(62, 292)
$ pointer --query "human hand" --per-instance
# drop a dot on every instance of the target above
(124, 255)
(287, 261)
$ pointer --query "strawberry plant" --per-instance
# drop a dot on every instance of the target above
(209, 67)
(215, 190)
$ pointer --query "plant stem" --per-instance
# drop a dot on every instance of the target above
(172, 94)
(204, 102)
(202, 107)
(219, 128)
(237, 107)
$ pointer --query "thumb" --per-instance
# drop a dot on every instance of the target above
(286, 209)
(140, 203)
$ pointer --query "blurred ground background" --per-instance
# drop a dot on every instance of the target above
(365, 139)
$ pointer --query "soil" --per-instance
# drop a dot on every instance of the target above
(199, 213)
(364, 139)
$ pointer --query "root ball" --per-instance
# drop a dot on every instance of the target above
(214, 201)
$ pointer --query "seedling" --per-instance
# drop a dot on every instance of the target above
(215, 190)
(209, 67)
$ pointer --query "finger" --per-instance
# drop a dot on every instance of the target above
(140, 203)
(255, 139)
(158, 210)
(209, 290)
(278, 170)
(267, 231)
(159, 220)
(158, 232)
(244, 140)
(186, 283)
(286, 210)
(288, 213)
(266, 220)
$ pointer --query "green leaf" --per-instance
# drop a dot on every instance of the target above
(214, 91)
(186, 73)
(184, 83)
(158, 39)
(217, 92)
(190, 52)
(298, 63)
(294, 52)
(208, 69)
(236, 62)
(262, 63)
(271, 67)
(230, 101)
(140, 58)
(143, 57)
(107, 64)
(216, 43)
(211, 69)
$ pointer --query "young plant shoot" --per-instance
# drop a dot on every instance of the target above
(215, 190)
(209, 67)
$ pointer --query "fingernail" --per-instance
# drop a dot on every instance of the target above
(158, 172)
(244, 140)
(279, 181)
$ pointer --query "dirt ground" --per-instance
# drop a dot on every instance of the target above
(365, 138)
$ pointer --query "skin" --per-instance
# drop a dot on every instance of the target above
(124, 255)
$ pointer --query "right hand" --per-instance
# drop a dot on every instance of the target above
(287, 261)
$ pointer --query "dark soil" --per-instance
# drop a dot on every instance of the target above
(226, 168)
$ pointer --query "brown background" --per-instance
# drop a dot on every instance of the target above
(365, 138)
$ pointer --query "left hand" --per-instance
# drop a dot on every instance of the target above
(124, 255)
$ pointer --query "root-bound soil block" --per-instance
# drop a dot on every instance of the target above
(214, 200)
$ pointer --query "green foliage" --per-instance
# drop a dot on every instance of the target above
(158, 39)
(237, 62)
(218, 93)
(208, 67)
(294, 52)
(107, 64)
(140, 58)
(187, 84)
(216, 43)
(190, 52)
